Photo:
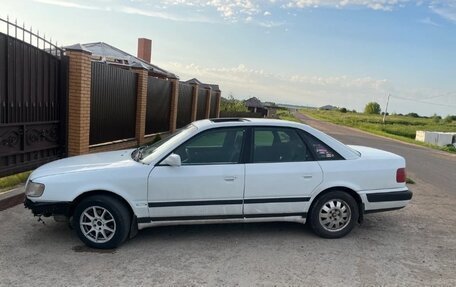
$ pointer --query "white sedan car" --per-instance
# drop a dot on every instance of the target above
(220, 170)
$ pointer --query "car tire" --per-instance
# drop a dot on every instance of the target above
(102, 221)
(334, 214)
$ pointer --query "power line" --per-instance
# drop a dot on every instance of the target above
(424, 102)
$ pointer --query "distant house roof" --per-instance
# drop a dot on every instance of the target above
(103, 52)
(253, 103)
(204, 85)
(328, 107)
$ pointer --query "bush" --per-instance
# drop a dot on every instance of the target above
(232, 105)
(372, 108)
(413, 115)
(449, 119)
(343, 110)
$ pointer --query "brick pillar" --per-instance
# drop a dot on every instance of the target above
(141, 104)
(208, 103)
(217, 104)
(79, 82)
(194, 101)
(174, 102)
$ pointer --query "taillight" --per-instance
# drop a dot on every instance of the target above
(401, 176)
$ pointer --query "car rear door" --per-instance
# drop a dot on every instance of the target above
(208, 185)
(281, 174)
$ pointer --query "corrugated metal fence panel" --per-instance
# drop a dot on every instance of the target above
(32, 101)
(212, 113)
(201, 108)
(158, 105)
(28, 83)
(184, 109)
(113, 104)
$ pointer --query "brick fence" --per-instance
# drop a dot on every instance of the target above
(79, 107)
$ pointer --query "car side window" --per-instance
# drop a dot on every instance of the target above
(216, 146)
(271, 144)
(321, 150)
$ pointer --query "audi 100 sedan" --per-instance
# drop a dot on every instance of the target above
(220, 170)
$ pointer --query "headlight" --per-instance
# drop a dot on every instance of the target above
(34, 189)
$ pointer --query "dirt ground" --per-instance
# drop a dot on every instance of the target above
(413, 246)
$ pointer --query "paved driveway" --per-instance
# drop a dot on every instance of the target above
(415, 246)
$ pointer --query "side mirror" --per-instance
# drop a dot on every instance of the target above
(172, 160)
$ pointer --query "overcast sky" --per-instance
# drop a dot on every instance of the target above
(306, 52)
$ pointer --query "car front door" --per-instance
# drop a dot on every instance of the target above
(209, 184)
(281, 175)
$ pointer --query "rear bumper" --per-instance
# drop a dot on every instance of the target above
(48, 208)
(386, 200)
(389, 196)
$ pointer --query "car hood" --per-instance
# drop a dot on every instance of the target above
(96, 161)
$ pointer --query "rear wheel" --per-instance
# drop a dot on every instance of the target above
(102, 221)
(334, 214)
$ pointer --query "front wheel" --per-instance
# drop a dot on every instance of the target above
(334, 214)
(102, 221)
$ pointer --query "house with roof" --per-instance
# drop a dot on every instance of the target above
(195, 81)
(254, 105)
(105, 53)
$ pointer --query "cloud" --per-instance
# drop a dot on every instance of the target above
(428, 21)
(161, 15)
(68, 4)
(247, 11)
(243, 82)
(385, 5)
(445, 9)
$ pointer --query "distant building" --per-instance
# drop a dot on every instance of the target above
(328, 108)
(254, 105)
(203, 85)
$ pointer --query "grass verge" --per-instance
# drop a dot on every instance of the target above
(401, 128)
(9, 182)
(286, 115)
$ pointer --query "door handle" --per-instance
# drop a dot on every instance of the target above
(230, 178)
(307, 176)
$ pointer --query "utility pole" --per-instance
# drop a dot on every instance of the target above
(386, 109)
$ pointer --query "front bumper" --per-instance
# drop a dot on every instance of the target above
(48, 208)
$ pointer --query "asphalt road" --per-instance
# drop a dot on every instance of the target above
(431, 166)
(414, 246)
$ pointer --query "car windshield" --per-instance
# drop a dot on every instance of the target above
(146, 150)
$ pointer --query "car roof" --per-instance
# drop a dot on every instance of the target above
(223, 122)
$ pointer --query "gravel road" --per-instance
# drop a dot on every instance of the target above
(415, 246)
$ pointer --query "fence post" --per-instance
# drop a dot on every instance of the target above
(208, 103)
(174, 105)
(141, 103)
(79, 83)
(217, 104)
(194, 101)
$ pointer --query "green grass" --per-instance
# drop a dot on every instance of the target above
(8, 182)
(397, 127)
(286, 115)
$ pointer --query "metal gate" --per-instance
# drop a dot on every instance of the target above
(33, 93)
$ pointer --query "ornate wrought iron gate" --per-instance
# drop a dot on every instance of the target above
(33, 93)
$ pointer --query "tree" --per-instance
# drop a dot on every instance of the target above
(232, 105)
(413, 115)
(372, 108)
(343, 110)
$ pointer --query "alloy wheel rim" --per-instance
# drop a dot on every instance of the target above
(97, 224)
(334, 215)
